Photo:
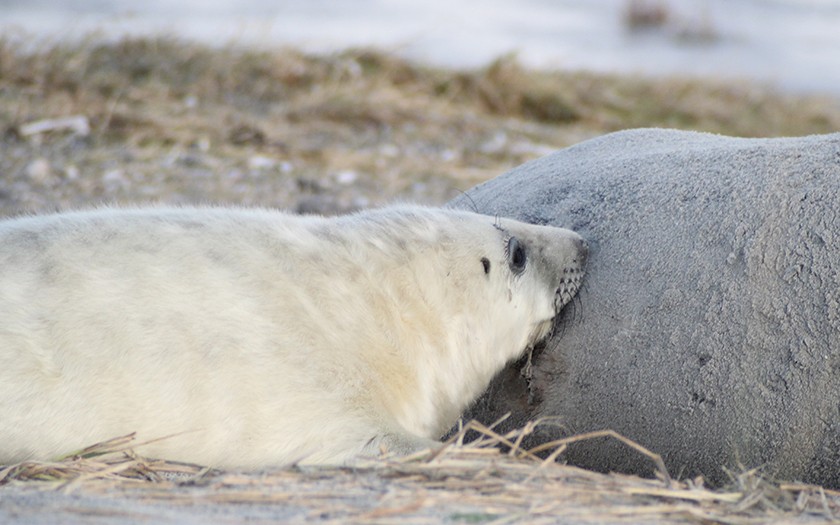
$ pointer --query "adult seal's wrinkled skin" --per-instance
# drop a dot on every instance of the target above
(711, 324)
(250, 338)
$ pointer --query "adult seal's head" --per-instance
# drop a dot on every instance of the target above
(259, 338)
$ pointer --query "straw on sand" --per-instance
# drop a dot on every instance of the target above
(472, 482)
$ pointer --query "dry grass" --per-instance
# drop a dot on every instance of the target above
(472, 483)
(178, 122)
(112, 460)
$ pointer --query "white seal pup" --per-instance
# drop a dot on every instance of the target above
(255, 338)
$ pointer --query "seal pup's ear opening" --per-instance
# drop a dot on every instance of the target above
(486, 263)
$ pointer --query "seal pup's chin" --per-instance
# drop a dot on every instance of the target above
(562, 297)
(541, 331)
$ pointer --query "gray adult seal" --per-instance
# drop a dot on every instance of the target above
(250, 338)
(711, 324)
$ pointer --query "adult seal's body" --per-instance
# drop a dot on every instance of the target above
(253, 338)
(711, 332)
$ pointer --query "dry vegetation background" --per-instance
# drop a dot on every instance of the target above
(155, 120)
(162, 120)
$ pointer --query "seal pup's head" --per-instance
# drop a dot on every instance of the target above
(555, 258)
(539, 268)
(472, 292)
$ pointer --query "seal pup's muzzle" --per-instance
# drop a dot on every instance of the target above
(572, 277)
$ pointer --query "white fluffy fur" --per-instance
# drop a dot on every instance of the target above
(258, 338)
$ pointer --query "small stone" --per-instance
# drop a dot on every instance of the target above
(115, 175)
(449, 155)
(346, 177)
(261, 162)
(39, 170)
(77, 124)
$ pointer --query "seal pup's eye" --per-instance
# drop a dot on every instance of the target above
(517, 257)
(486, 263)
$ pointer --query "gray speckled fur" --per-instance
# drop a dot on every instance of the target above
(710, 329)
